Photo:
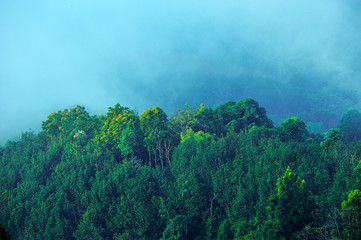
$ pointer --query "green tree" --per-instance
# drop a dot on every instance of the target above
(157, 136)
(181, 228)
(70, 122)
(333, 137)
(293, 129)
(183, 119)
(118, 119)
(351, 215)
(290, 209)
(80, 177)
(205, 121)
(240, 116)
(350, 125)
(131, 143)
(225, 232)
(89, 228)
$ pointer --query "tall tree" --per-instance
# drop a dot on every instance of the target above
(117, 120)
(240, 116)
(290, 209)
(183, 119)
(351, 215)
(157, 135)
(293, 129)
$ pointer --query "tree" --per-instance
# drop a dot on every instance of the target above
(333, 137)
(117, 120)
(204, 120)
(183, 119)
(157, 137)
(181, 228)
(293, 129)
(225, 232)
(71, 123)
(290, 209)
(80, 178)
(351, 215)
(53, 124)
(240, 116)
(88, 227)
(130, 146)
(350, 125)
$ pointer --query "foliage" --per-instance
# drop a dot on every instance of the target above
(158, 137)
(290, 209)
(351, 215)
(117, 119)
(4, 234)
(293, 129)
(350, 125)
(202, 174)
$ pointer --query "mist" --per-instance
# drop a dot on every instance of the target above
(294, 58)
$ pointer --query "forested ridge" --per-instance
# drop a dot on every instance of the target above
(203, 173)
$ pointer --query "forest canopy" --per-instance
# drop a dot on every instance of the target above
(202, 173)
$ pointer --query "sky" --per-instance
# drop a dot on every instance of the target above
(293, 57)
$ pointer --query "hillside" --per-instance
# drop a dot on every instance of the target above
(203, 173)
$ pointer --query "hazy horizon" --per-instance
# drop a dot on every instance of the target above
(294, 58)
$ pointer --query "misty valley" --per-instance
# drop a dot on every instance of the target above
(202, 173)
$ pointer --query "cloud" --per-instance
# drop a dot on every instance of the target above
(291, 56)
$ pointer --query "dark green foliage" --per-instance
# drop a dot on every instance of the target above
(351, 215)
(225, 231)
(158, 138)
(293, 129)
(290, 209)
(202, 174)
(237, 117)
(181, 227)
(333, 137)
(4, 234)
(231, 117)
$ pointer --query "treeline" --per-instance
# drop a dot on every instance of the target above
(224, 173)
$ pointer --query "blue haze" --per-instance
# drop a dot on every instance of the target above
(293, 57)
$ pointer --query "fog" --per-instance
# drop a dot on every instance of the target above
(293, 57)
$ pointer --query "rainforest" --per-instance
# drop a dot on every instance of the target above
(203, 173)
(180, 120)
